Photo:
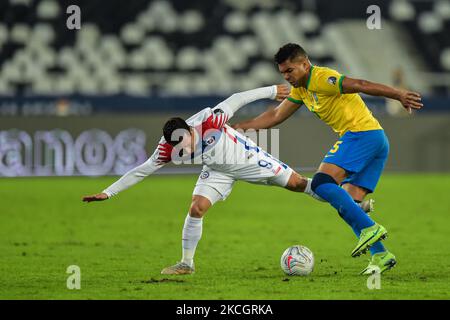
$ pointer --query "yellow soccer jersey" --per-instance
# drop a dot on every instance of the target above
(323, 96)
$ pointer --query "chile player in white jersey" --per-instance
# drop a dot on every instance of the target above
(227, 156)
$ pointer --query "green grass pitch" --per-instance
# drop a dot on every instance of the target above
(122, 244)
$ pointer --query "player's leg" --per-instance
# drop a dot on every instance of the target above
(299, 183)
(358, 194)
(364, 183)
(326, 184)
(211, 187)
(191, 235)
(350, 154)
(193, 227)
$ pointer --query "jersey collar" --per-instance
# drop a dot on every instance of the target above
(310, 76)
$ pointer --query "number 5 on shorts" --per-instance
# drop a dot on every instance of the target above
(335, 147)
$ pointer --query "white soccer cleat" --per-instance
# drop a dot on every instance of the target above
(179, 268)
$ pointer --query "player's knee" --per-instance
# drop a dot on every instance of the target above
(198, 209)
(297, 183)
(321, 178)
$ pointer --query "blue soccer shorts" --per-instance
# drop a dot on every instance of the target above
(363, 155)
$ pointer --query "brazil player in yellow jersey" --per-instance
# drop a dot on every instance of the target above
(352, 167)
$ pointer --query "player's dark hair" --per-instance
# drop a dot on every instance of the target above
(170, 126)
(289, 51)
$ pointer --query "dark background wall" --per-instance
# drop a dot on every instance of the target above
(418, 142)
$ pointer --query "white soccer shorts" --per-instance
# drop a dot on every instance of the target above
(215, 185)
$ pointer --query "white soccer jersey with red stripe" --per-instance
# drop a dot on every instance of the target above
(218, 146)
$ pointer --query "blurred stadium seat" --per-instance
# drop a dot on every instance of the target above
(201, 48)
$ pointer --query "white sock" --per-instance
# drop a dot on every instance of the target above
(192, 232)
(309, 191)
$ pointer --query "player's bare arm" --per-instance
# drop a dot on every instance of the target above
(409, 99)
(271, 117)
(96, 197)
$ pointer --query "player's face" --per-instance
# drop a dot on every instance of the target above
(188, 142)
(295, 71)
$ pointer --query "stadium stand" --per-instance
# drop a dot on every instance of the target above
(178, 48)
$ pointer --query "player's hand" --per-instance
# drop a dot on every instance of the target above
(96, 197)
(410, 100)
(282, 92)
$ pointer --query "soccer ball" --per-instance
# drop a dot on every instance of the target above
(297, 261)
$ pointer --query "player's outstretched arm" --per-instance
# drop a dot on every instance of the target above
(160, 157)
(271, 117)
(409, 99)
(240, 99)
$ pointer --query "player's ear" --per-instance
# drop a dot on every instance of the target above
(301, 63)
(305, 63)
